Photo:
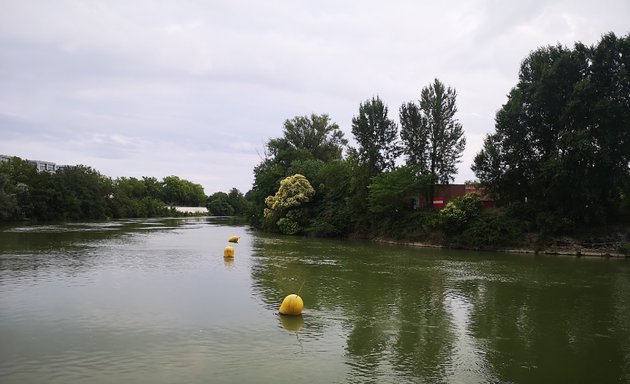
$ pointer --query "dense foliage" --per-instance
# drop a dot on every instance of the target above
(284, 209)
(377, 136)
(378, 148)
(311, 146)
(314, 134)
(560, 155)
(82, 193)
(433, 139)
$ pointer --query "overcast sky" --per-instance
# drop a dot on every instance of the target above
(196, 88)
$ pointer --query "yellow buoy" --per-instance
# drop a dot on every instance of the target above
(234, 239)
(228, 251)
(291, 305)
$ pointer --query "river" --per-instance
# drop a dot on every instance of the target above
(154, 301)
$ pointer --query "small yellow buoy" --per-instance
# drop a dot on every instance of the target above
(234, 239)
(228, 251)
(291, 305)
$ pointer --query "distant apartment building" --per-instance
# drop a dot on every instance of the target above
(41, 166)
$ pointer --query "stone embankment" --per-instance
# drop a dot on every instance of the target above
(564, 246)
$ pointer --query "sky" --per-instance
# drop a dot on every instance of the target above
(195, 89)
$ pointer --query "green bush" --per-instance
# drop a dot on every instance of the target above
(323, 228)
(491, 229)
(549, 224)
(293, 222)
(420, 226)
(459, 212)
(220, 207)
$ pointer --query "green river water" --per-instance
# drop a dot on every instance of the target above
(154, 301)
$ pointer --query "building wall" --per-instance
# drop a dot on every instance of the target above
(41, 166)
(444, 193)
(192, 209)
(44, 165)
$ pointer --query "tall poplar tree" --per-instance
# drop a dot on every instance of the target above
(432, 137)
(377, 136)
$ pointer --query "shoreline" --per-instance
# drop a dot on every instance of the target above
(552, 250)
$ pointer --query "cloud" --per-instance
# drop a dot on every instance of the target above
(196, 88)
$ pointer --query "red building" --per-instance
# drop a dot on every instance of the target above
(443, 193)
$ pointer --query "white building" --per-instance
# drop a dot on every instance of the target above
(47, 166)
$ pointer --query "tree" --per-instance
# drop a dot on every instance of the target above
(90, 188)
(130, 187)
(390, 193)
(376, 135)
(415, 136)
(9, 208)
(315, 134)
(182, 192)
(154, 188)
(561, 145)
(332, 216)
(16, 175)
(283, 207)
(308, 142)
(227, 204)
(267, 176)
(220, 207)
(237, 201)
(307, 138)
(433, 139)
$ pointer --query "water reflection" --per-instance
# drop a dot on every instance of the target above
(455, 317)
(292, 323)
(394, 316)
(228, 262)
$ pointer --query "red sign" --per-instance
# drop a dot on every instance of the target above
(438, 201)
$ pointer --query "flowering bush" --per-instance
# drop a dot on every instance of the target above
(281, 208)
(460, 212)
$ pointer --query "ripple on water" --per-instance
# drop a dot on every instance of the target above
(69, 227)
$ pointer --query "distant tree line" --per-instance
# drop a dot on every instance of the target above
(82, 193)
(558, 161)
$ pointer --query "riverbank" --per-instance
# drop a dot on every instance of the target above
(568, 252)
(562, 246)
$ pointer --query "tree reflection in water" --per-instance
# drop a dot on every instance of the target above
(443, 316)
